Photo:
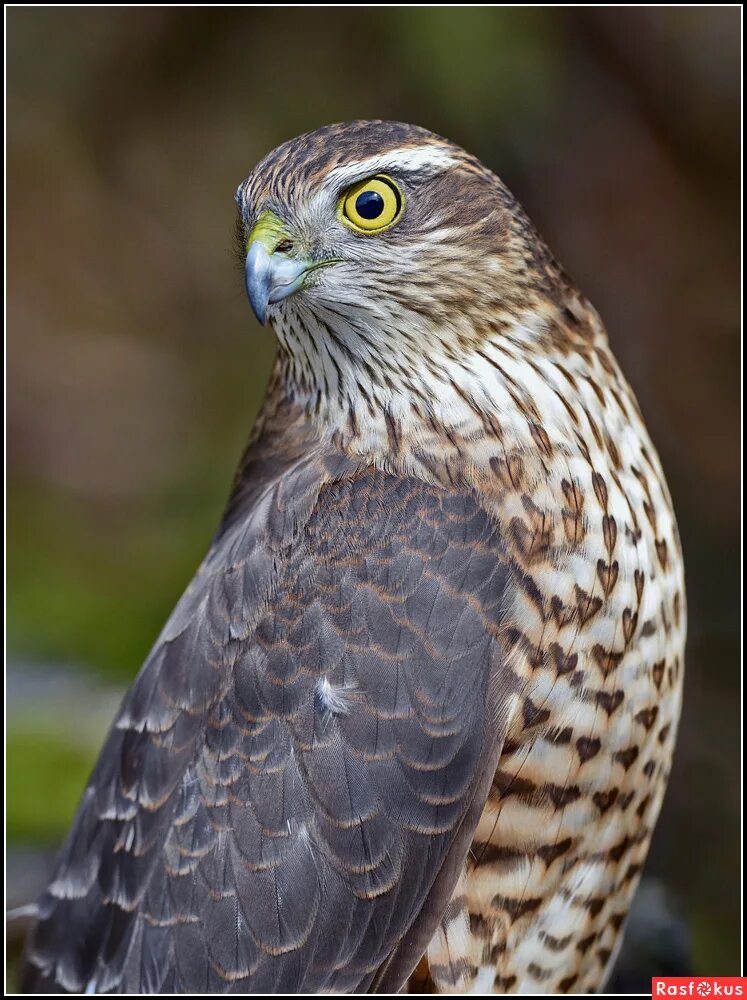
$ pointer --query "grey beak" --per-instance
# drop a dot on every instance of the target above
(270, 278)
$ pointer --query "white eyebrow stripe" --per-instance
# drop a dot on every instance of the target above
(415, 159)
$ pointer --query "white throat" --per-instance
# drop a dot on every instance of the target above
(395, 405)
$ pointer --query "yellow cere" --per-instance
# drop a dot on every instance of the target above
(372, 205)
(268, 230)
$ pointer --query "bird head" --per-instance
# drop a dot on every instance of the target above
(386, 257)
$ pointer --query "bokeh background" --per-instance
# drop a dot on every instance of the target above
(135, 367)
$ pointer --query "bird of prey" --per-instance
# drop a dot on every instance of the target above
(410, 726)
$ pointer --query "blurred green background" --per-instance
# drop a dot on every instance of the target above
(135, 367)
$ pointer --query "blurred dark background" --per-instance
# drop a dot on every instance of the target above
(135, 367)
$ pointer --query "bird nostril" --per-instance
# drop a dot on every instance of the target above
(285, 246)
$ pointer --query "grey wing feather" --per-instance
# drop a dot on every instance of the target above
(286, 797)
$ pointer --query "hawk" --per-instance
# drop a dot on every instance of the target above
(410, 726)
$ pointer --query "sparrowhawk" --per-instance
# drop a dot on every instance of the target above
(410, 725)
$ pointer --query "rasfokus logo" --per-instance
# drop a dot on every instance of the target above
(698, 986)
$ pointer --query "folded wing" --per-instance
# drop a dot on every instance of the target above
(287, 795)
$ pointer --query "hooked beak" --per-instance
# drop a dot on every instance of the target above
(270, 278)
(270, 274)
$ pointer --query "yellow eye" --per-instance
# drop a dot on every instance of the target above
(372, 205)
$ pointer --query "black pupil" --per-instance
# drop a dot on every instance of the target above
(369, 204)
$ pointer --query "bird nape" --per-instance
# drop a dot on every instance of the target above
(410, 726)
